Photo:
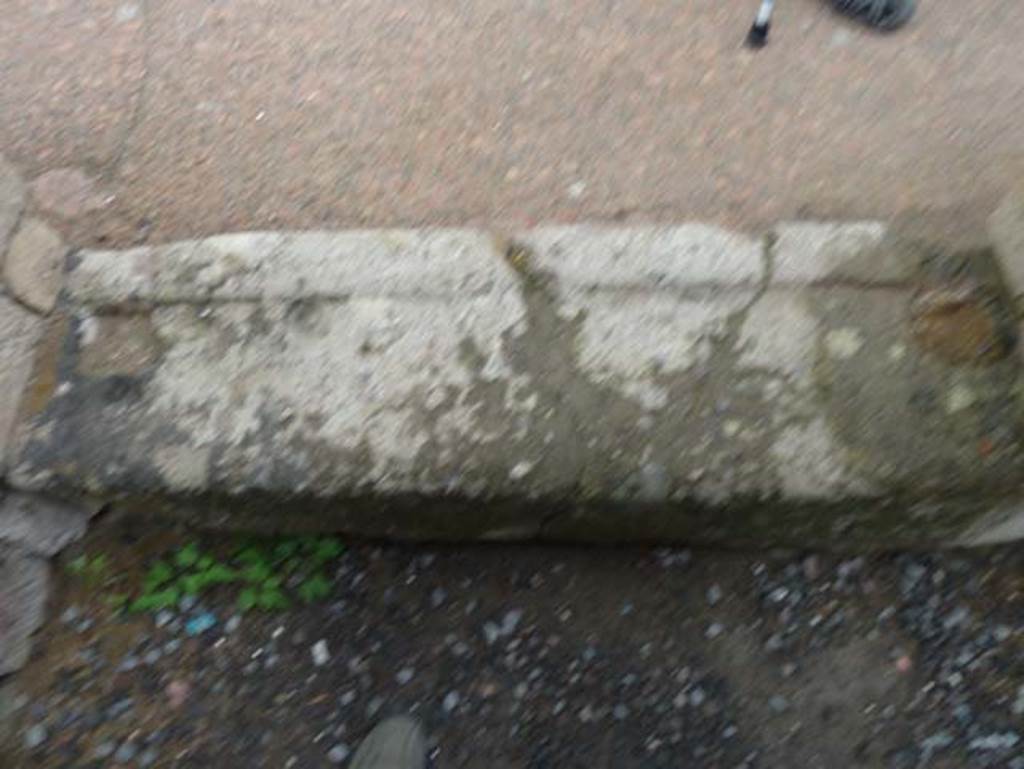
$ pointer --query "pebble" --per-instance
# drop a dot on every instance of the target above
(491, 632)
(320, 654)
(187, 604)
(119, 708)
(233, 623)
(956, 618)
(126, 753)
(104, 750)
(177, 692)
(70, 615)
(338, 754)
(450, 701)
(778, 703)
(935, 742)
(999, 741)
(152, 657)
(172, 646)
(697, 697)
(404, 676)
(714, 630)
(35, 736)
(714, 595)
(620, 712)
(374, 707)
(163, 618)
(511, 621)
(200, 624)
(812, 567)
(148, 758)
(437, 597)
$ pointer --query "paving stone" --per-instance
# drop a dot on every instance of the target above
(12, 201)
(39, 525)
(34, 265)
(19, 330)
(571, 382)
(1006, 228)
(24, 586)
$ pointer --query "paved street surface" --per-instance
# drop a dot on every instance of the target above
(543, 658)
(185, 117)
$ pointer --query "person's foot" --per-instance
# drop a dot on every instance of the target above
(881, 14)
(397, 743)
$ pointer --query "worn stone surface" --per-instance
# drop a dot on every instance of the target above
(68, 192)
(655, 115)
(563, 382)
(811, 252)
(34, 265)
(12, 201)
(19, 330)
(39, 525)
(287, 266)
(24, 587)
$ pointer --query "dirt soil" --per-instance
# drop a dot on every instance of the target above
(542, 657)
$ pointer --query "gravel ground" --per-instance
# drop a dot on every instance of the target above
(523, 657)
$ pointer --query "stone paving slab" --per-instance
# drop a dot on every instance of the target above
(470, 111)
(40, 526)
(826, 384)
(19, 330)
(24, 588)
(12, 202)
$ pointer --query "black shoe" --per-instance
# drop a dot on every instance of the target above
(397, 743)
(881, 14)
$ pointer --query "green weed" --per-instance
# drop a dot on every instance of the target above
(266, 575)
(93, 571)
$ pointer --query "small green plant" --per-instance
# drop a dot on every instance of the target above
(93, 571)
(267, 574)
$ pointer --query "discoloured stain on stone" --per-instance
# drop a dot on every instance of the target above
(958, 398)
(813, 464)
(960, 328)
(914, 412)
(843, 343)
(117, 345)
